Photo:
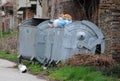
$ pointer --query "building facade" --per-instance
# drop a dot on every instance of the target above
(27, 7)
(109, 22)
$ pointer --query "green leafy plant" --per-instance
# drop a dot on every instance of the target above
(80, 73)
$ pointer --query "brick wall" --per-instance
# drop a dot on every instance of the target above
(109, 22)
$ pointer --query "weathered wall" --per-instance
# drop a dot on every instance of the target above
(109, 22)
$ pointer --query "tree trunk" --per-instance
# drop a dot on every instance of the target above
(52, 9)
(45, 6)
(77, 9)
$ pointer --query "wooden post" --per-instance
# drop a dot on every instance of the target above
(45, 8)
(15, 14)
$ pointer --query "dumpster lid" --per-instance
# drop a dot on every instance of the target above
(33, 21)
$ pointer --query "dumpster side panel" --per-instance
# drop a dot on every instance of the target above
(57, 46)
(40, 44)
(41, 39)
(27, 41)
(49, 43)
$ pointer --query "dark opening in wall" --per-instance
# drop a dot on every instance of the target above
(98, 49)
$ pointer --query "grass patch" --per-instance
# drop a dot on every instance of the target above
(38, 69)
(8, 33)
(11, 57)
(81, 73)
(113, 71)
(35, 69)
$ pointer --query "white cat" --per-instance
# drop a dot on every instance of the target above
(22, 68)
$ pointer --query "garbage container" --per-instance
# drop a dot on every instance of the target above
(30, 39)
(53, 44)
(82, 37)
(77, 37)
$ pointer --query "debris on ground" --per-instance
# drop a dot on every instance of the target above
(91, 59)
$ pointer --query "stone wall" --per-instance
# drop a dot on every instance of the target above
(109, 22)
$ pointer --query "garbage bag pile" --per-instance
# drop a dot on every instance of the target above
(61, 21)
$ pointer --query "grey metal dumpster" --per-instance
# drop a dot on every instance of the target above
(30, 40)
(82, 37)
(53, 44)
(77, 37)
